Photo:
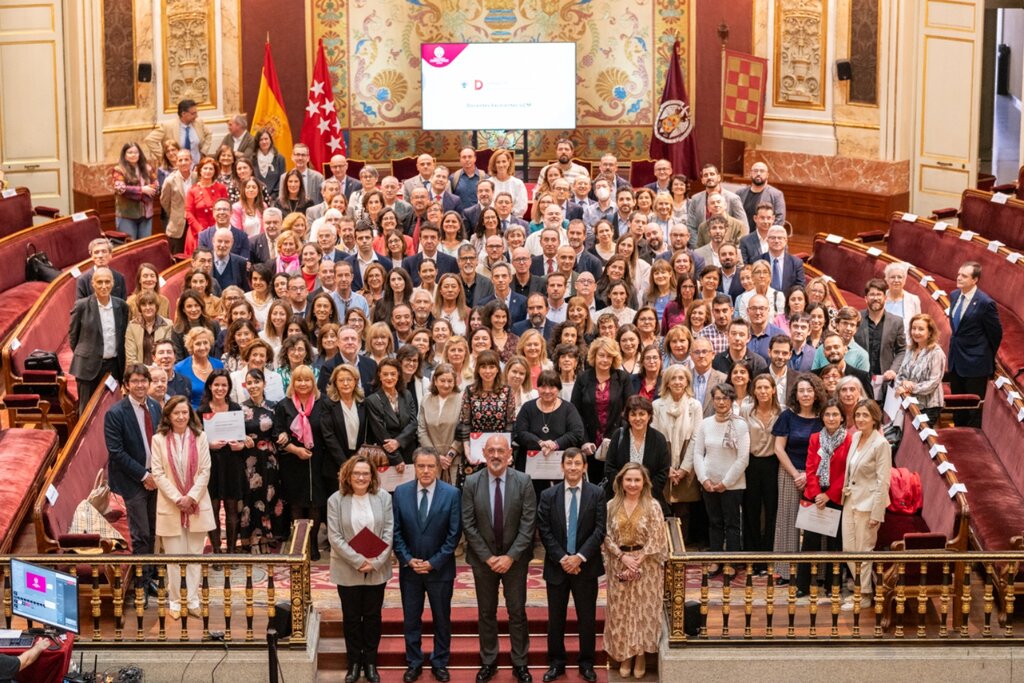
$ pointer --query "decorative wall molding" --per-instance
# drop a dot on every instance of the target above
(800, 53)
(188, 29)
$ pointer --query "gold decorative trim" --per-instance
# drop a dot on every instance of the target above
(195, 15)
(817, 122)
(801, 34)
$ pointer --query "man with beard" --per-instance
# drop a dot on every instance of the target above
(847, 321)
(834, 349)
(576, 236)
(759, 192)
(563, 154)
(536, 317)
(756, 243)
(881, 333)
(729, 280)
(735, 229)
(697, 208)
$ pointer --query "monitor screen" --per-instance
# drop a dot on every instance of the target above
(44, 595)
(497, 86)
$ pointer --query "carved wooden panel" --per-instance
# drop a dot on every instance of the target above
(800, 40)
(118, 54)
(864, 51)
(189, 68)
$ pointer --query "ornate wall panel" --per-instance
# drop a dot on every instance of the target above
(373, 52)
(118, 53)
(189, 68)
(864, 51)
(800, 39)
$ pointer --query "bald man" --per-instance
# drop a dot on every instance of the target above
(758, 192)
(96, 335)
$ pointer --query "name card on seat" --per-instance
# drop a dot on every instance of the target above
(1001, 381)
(162, 281)
(75, 272)
(15, 343)
(936, 449)
(111, 384)
(874, 251)
(52, 494)
(9, 193)
(946, 467)
(1013, 256)
(925, 433)
(1020, 415)
(925, 279)
(80, 216)
(1000, 198)
(919, 420)
(833, 239)
(910, 217)
(937, 293)
(957, 488)
(907, 400)
(994, 245)
(828, 278)
(1012, 396)
(967, 235)
(940, 226)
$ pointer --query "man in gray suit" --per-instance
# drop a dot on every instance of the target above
(238, 137)
(499, 512)
(98, 325)
(705, 377)
(882, 334)
(697, 207)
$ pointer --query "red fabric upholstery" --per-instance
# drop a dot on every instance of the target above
(17, 301)
(939, 512)
(173, 287)
(641, 172)
(25, 454)
(850, 267)
(999, 423)
(1003, 222)
(64, 240)
(74, 475)
(405, 168)
(15, 212)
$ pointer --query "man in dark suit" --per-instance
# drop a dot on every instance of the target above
(428, 523)
(524, 282)
(881, 334)
(662, 177)
(562, 189)
(705, 377)
(429, 238)
(755, 243)
(222, 219)
(835, 353)
(576, 236)
(499, 514)
(98, 324)
(365, 255)
(348, 352)
(977, 333)
(238, 137)
(478, 288)
(780, 350)
(128, 429)
(729, 273)
(503, 204)
(100, 252)
(571, 518)
(339, 171)
(739, 337)
(536, 317)
(787, 270)
(263, 247)
(163, 357)
(228, 269)
(484, 197)
(501, 278)
(439, 189)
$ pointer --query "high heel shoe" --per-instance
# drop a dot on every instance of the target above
(639, 666)
(625, 666)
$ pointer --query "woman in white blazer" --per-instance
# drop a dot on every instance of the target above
(360, 504)
(438, 417)
(181, 469)
(866, 490)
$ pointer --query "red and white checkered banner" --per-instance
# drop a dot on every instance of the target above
(743, 96)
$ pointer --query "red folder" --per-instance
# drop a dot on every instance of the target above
(368, 544)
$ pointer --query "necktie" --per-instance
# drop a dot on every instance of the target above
(551, 266)
(700, 388)
(147, 424)
(188, 138)
(423, 508)
(959, 312)
(776, 275)
(499, 518)
(574, 514)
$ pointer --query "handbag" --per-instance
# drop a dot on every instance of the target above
(686, 491)
(46, 361)
(38, 267)
(377, 456)
(99, 496)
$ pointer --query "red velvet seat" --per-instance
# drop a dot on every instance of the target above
(25, 456)
(993, 220)
(16, 211)
(17, 301)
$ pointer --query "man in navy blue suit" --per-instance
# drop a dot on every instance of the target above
(228, 269)
(429, 238)
(348, 352)
(501, 279)
(977, 333)
(365, 255)
(222, 219)
(428, 523)
(536, 317)
(128, 429)
(571, 519)
(787, 270)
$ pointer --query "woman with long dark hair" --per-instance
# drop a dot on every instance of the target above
(227, 469)
(134, 191)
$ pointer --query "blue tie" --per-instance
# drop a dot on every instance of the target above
(700, 389)
(574, 514)
(959, 312)
(776, 275)
(423, 508)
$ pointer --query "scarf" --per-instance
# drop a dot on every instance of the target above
(301, 429)
(829, 444)
(680, 429)
(288, 264)
(191, 465)
(265, 162)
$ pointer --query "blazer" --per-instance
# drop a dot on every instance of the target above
(247, 147)
(911, 307)
(168, 516)
(125, 442)
(383, 424)
(433, 541)
(154, 141)
(239, 246)
(734, 231)
(769, 194)
(86, 337)
(714, 379)
(235, 273)
(519, 515)
(868, 466)
(656, 459)
(83, 285)
(836, 469)
(975, 341)
(367, 373)
(792, 270)
(750, 247)
(172, 200)
(516, 308)
(411, 184)
(620, 387)
(259, 249)
(706, 254)
(349, 185)
(696, 208)
(522, 326)
(435, 426)
(272, 179)
(332, 426)
(483, 291)
(445, 264)
(345, 561)
(357, 276)
(538, 265)
(312, 180)
(134, 337)
(238, 218)
(586, 261)
(735, 286)
(590, 530)
(894, 343)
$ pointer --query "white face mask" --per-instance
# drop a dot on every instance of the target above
(603, 193)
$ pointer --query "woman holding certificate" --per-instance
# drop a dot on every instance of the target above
(360, 526)
(227, 459)
(547, 423)
(181, 470)
(487, 406)
(297, 426)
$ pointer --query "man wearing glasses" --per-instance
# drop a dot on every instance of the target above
(478, 288)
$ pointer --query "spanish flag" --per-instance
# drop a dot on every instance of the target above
(270, 112)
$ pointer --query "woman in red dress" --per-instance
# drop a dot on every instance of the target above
(200, 200)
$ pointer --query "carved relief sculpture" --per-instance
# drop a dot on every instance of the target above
(800, 30)
(188, 27)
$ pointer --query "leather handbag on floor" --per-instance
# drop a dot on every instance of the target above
(38, 267)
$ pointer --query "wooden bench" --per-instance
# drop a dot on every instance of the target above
(26, 456)
(64, 240)
(17, 212)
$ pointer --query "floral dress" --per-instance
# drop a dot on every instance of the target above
(262, 517)
(484, 411)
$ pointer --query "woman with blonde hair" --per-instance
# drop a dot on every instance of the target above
(534, 349)
(502, 168)
(676, 415)
(380, 342)
(517, 376)
(288, 259)
(456, 354)
(920, 374)
(600, 395)
(344, 421)
(762, 274)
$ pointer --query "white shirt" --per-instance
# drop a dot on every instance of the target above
(362, 512)
(141, 415)
(964, 302)
(351, 424)
(557, 314)
(780, 383)
(108, 329)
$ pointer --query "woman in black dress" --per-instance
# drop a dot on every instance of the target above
(391, 415)
(599, 395)
(547, 423)
(262, 521)
(227, 461)
(297, 426)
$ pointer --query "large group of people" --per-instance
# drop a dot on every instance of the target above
(662, 351)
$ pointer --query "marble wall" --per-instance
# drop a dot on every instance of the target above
(855, 175)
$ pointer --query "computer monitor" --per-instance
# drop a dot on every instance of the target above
(44, 595)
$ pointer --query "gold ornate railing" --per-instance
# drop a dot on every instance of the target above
(736, 606)
(110, 589)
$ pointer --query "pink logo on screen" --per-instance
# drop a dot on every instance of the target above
(35, 582)
(440, 54)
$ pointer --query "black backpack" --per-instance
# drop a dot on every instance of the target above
(38, 267)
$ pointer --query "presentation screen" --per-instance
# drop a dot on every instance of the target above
(498, 86)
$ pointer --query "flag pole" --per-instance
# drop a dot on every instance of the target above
(723, 35)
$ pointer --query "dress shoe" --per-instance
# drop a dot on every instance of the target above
(625, 667)
(640, 666)
(194, 612)
(588, 674)
(353, 673)
(440, 673)
(174, 614)
(370, 673)
(486, 673)
(412, 673)
(522, 674)
(553, 673)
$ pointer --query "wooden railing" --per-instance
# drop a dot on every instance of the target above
(733, 610)
(241, 622)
